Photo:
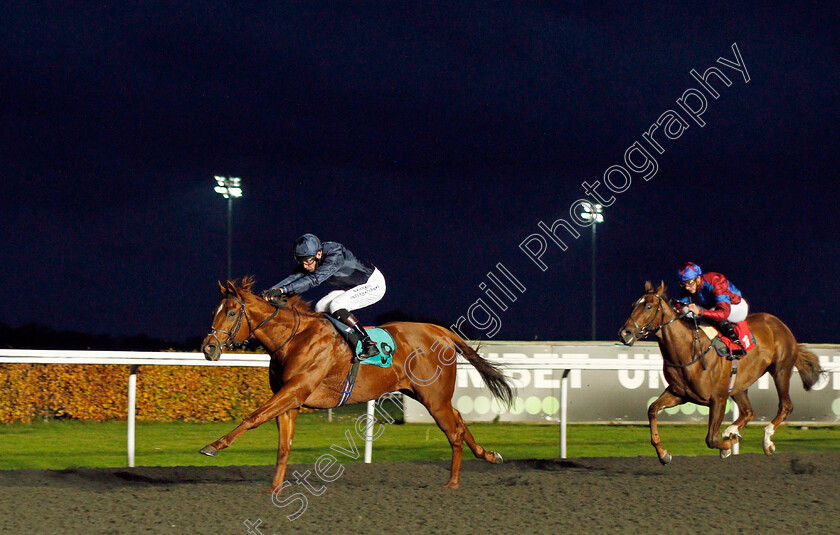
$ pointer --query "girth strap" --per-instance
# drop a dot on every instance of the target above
(733, 374)
(349, 383)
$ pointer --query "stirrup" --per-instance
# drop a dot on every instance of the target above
(736, 354)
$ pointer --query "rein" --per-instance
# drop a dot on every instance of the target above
(646, 330)
(233, 344)
(694, 348)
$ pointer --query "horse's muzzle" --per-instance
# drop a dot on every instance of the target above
(211, 351)
(627, 336)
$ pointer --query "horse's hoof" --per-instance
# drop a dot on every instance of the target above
(497, 458)
(725, 453)
(770, 450)
(731, 433)
(209, 451)
(665, 459)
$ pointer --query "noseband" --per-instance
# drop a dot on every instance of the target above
(231, 342)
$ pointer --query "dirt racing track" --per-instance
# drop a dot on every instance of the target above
(743, 494)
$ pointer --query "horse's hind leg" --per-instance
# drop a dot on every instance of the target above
(477, 449)
(782, 380)
(665, 400)
(285, 432)
(454, 429)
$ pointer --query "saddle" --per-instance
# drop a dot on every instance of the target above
(723, 345)
(384, 343)
(382, 338)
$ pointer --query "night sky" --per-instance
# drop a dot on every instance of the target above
(432, 141)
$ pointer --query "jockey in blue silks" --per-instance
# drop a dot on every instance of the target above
(359, 284)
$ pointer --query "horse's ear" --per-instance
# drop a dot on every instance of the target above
(648, 287)
(221, 289)
(661, 289)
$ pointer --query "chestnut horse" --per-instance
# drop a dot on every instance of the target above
(697, 374)
(310, 362)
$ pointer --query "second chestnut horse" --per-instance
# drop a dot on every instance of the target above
(696, 374)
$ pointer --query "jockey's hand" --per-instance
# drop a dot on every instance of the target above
(693, 308)
(270, 294)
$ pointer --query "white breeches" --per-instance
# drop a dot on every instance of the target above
(355, 298)
(739, 312)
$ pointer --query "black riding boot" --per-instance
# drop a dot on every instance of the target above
(728, 330)
(369, 348)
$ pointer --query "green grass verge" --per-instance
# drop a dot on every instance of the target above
(66, 444)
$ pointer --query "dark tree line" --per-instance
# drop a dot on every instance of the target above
(38, 336)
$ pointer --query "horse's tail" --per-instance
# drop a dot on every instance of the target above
(492, 375)
(808, 365)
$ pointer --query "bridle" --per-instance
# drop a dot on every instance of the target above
(232, 344)
(646, 330)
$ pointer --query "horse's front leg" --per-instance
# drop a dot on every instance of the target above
(291, 396)
(286, 432)
(665, 400)
(717, 408)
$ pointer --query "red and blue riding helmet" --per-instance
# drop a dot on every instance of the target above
(689, 271)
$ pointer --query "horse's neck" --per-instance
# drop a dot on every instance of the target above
(676, 339)
(281, 328)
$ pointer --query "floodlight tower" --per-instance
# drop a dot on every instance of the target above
(229, 188)
(593, 212)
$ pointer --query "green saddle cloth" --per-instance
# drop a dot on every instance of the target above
(385, 344)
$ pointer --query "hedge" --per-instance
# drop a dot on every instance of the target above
(100, 392)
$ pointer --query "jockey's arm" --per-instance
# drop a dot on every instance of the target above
(722, 306)
(288, 280)
(329, 265)
(719, 313)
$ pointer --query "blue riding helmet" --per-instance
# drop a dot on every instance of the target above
(306, 246)
(689, 271)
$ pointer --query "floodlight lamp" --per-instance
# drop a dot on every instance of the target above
(594, 212)
(228, 186)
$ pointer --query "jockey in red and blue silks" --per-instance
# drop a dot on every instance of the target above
(711, 297)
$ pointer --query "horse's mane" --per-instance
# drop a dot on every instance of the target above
(295, 301)
(302, 305)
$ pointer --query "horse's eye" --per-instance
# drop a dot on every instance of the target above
(649, 306)
(231, 314)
